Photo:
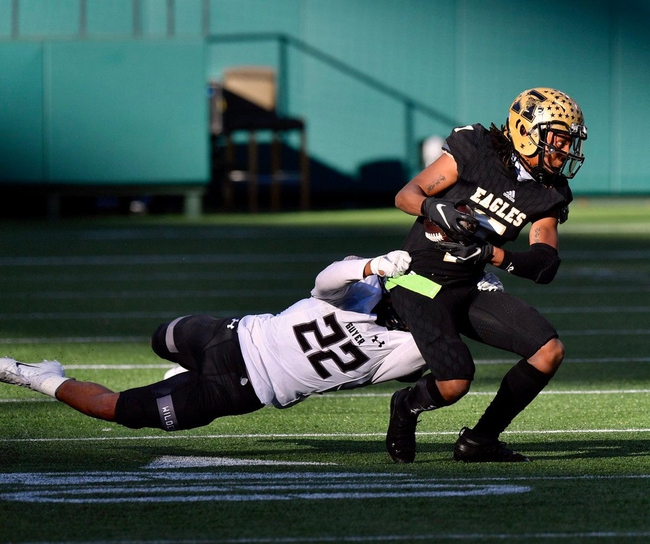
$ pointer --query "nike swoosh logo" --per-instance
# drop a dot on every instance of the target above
(477, 252)
(440, 207)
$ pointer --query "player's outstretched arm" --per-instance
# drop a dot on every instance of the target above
(341, 274)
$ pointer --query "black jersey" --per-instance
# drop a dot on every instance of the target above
(492, 188)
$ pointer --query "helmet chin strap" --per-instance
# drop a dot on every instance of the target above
(539, 172)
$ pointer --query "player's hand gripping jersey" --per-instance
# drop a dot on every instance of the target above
(507, 197)
(327, 342)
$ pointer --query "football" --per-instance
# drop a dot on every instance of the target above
(436, 234)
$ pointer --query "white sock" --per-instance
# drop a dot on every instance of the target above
(49, 385)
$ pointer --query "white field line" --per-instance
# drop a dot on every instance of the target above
(139, 294)
(635, 282)
(134, 260)
(75, 316)
(594, 309)
(434, 537)
(343, 394)
(358, 395)
(49, 316)
(136, 339)
(59, 294)
(263, 436)
(160, 275)
(77, 340)
(260, 257)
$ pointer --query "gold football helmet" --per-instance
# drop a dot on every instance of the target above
(535, 114)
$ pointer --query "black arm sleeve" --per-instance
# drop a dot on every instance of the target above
(539, 263)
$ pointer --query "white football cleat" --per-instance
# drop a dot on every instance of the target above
(45, 377)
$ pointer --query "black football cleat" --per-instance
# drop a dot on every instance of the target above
(473, 449)
(400, 438)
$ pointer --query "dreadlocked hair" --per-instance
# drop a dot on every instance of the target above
(502, 144)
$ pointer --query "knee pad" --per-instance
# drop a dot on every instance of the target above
(158, 344)
(162, 341)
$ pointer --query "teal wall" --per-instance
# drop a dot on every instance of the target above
(108, 101)
(93, 90)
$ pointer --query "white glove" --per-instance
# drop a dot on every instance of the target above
(489, 282)
(392, 265)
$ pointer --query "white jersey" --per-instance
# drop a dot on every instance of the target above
(327, 342)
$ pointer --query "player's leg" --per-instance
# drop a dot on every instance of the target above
(91, 399)
(407, 404)
(505, 322)
(216, 384)
(181, 341)
(49, 378)
(448, 358)
(45, 377)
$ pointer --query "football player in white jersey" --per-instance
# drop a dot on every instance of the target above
(343, 336)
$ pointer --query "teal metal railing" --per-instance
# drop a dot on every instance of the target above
(285, 43)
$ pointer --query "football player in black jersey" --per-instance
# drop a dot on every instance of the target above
(510, 176)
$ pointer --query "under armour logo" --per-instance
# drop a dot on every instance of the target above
(376, 340)
(233, 323)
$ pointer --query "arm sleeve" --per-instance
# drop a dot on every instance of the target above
(338, 276)
(540, 263)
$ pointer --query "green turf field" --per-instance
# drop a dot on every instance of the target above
(90, 293)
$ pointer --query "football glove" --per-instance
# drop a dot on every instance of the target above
(489, 282)
(392, 265)
(472, 254)
(454, 222)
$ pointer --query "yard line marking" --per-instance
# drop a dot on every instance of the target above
(190, 461)
(492, 393)
(21, 316)
(164, 366)
(614, 254)
(573, 360)
(572, 290)
(40, 399)
(138, 339)
(594, 309)
(170, 486)
(217, 275)
(131, 260)
(237, 258)
(606, 332)
(437, 537)
(339, 394)
(110, 315)
(140, 294)
(304, 435)
(167, 366)
(77, 340)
